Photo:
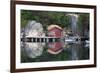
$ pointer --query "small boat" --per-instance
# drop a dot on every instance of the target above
(72, 39)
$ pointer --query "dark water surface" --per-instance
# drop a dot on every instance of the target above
(53, 51)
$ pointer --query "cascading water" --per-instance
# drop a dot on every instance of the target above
(74, 19)
(33, 29)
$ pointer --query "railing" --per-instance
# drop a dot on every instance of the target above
(40, 39)
(54, 39)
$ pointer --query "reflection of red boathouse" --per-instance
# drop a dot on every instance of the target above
(56, 32)
(55, 47)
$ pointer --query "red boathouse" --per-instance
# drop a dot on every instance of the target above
(55, 31)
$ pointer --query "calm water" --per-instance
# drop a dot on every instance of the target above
(54, 51)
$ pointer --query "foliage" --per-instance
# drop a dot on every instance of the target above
(83, 23)
(45, 17)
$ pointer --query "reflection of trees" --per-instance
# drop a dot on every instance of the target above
(76, 51)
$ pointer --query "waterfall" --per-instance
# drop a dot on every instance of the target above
(73, 48)
(74, 18)
(32, 29)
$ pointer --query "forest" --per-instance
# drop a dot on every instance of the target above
(63, 19)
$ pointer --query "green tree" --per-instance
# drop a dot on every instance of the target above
(45, 17)
(83, 23)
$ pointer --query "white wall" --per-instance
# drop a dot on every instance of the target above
(5, 36)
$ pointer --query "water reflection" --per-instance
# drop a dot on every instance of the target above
(55, 47)
(54, 51)
(33, 50)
